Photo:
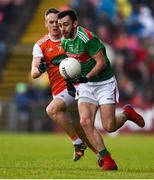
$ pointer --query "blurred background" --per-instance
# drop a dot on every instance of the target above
(125, 26)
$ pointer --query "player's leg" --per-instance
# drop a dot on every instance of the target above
(73, 112)
(110, 122)
(57, 111)
(88, 105)
(108, 97)
(87, 113)
(76, 124)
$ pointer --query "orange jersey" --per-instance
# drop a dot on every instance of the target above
(53, 53)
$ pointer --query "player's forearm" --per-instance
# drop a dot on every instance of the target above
(99, 66)
(96, 70)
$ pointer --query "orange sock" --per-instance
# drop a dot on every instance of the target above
(74, 137)
(95, 151)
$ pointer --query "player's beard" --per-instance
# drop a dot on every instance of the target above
(71, 34)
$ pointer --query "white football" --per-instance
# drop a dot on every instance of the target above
(69, 68)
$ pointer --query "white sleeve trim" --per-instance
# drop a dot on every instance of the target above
(37, 52)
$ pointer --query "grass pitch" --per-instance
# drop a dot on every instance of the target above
(50, 156)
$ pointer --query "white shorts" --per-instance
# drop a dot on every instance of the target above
(103, 92)
(68, 99)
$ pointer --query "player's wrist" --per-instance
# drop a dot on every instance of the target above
(89, 77)
(43, 67)
(40, 71)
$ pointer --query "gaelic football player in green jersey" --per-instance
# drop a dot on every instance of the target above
(97, 88)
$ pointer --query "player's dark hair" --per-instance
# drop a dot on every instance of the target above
(71, 13)
(51, 10)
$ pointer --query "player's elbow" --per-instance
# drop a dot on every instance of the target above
(35, 74)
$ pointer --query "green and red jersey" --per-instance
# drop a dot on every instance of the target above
(85, 45)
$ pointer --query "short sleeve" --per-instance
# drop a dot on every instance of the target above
(93, 46)
(37, 52)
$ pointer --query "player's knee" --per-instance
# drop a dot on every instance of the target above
(51, 111)
(110, 127)
(85, 123)
(48, 111)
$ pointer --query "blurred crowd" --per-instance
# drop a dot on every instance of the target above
(30, 101)
(127, 29)
(9, 10)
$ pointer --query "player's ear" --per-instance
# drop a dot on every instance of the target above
(75, 24)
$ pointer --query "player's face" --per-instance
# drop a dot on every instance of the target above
(67, 27)
(51, 22)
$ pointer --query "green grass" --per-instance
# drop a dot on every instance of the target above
(50, 156)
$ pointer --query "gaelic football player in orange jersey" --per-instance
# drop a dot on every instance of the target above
(47, 54)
